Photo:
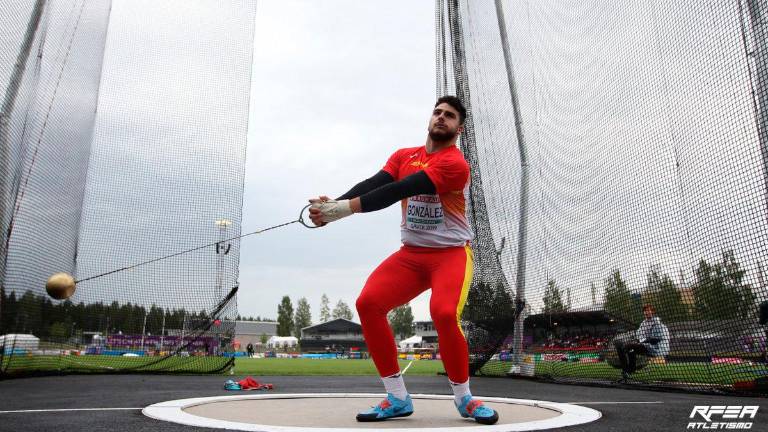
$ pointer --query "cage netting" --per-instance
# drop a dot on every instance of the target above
(619, 155)
(123, 133)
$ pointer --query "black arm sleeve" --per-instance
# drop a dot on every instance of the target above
(384, 196)
(379, 179)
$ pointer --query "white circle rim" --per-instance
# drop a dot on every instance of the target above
(173, 411)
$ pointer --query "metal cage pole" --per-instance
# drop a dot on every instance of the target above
(522, 239)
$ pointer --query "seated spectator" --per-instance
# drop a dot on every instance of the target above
(652, 339)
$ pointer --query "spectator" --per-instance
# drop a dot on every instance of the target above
(652, 339)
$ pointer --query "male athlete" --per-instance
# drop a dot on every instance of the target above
(432, 182)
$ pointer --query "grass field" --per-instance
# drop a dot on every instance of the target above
(699, 373)
(98, 363)
(243, 366)
(692, 373)
(276, 366)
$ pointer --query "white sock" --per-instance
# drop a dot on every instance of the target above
(394, 384)
(460, 390)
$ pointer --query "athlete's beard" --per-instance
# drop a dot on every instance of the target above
(438, 136)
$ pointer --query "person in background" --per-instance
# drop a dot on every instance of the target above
(652, 339)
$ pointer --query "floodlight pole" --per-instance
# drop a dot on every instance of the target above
(162, 331)
(144, 331)
(522, 230)
(758, 18)
(183, 328)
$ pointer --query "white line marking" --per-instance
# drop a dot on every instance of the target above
(406, 368)
(66, 409)
(614, 403)
(173, 411)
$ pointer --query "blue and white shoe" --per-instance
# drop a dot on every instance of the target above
(231, 385)
(388, 408)
(475, 409)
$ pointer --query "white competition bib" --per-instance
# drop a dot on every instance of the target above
(424, 213)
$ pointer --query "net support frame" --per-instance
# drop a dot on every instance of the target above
(522, 237)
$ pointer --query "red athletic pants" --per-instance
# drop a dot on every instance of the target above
(403, 276)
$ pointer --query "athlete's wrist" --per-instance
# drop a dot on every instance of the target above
(355, 206)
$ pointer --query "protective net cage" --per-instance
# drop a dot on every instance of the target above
(122, 139)
(619, 154)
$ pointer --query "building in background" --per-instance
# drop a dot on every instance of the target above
(253, 332)
(425, 329)
(333, 336)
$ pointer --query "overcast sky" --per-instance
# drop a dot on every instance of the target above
(337, 87)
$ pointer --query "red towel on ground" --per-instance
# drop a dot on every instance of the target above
(249, 383)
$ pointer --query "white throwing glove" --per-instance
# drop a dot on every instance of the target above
(333, 210)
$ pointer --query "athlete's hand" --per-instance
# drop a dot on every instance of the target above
(324, 210)
(315, 215)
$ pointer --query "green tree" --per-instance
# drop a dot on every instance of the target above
(263, 338)
(342, 310)
(741, 292)
(325, 310)
(30, 319)
(553, 301)
(720, 292)
(285, 317)
(302, 318)
(502, 303)
(619, 301)
(8, 314)
(59, 331)
(155, 320)
(401, 321)
(661, 292)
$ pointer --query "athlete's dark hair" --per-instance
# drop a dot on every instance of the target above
(456, 104)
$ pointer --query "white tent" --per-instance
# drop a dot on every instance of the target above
(20, 341)
(411, 342)
(282, 341)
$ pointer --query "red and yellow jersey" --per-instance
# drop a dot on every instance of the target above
(438, 220)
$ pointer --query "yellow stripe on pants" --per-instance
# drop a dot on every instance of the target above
(468, 271)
